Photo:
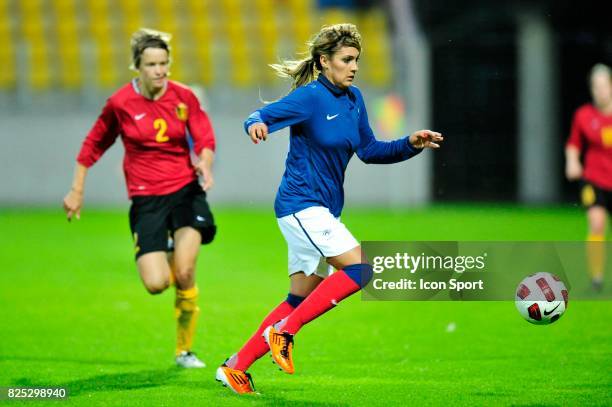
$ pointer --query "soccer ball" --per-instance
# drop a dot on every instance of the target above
(541, 298)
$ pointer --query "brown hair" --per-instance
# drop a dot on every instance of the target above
(147, 38)
(329, 40)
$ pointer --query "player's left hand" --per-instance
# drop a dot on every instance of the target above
(426, 139)
(205, 172)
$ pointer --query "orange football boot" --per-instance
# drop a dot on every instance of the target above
(240, 382)
(281, 348)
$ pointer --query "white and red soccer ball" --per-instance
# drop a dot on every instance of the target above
(541, 298)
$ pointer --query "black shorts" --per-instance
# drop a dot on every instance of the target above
(592, 195)
(153, 219)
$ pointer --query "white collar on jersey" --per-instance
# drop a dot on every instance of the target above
(137, 89)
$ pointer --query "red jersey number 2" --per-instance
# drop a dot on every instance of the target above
(161, 126)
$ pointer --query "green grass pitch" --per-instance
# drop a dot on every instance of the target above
(74, 314)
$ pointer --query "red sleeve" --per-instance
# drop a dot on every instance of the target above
(199, 126)
(101, 136)
(575, 138)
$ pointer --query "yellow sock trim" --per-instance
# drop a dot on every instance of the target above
(596, 238)
(186, 313)
(188, 293)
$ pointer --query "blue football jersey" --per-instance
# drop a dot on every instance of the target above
(327, 126)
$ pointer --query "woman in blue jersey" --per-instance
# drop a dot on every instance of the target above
(328, 124)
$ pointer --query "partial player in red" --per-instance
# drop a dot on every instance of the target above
(591, 137)
(158, 120)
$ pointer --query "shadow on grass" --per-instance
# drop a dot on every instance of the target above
(69, 360)
(269, 399)
(112, 381)
(149, 379)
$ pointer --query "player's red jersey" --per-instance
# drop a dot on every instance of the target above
(157, 160)
(592, 132)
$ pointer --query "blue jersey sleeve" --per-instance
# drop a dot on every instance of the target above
(372, 151)
(294, 108)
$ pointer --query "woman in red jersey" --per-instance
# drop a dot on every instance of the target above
(591, 135)
(154, 117)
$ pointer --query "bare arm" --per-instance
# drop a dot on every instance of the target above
(74, 198)
(204, 168)
(573, 167)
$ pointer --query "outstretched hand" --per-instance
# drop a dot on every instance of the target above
(258, 132)
(426, 139)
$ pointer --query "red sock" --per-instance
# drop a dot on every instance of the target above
(328, 293)
(256, 347)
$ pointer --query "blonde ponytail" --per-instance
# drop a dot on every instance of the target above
(301, 72)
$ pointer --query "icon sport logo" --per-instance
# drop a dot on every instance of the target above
(330, 117)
